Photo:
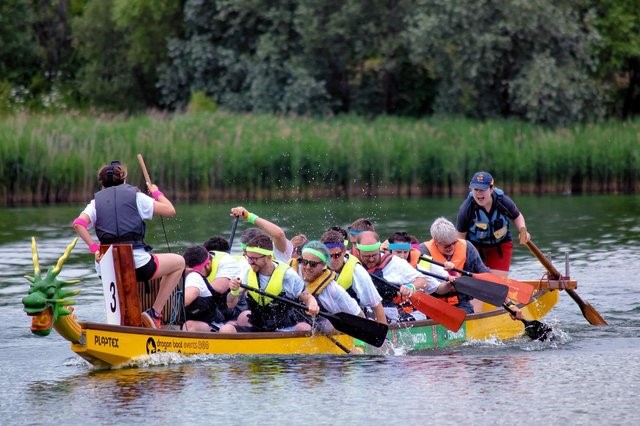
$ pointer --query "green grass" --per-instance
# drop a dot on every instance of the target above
(205, 156)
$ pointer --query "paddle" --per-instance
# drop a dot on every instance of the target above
(371, 332)
(536, 330)
(518, 291)
(233, 231)
(147, 180)
(486, 291)
(588, 311)
(436, 309)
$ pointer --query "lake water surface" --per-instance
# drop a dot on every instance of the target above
(590, 376)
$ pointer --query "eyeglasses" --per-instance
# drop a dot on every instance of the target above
(336, 255)
(252, 259)
(447, 246)
(311, 263)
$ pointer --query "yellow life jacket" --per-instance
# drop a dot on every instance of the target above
(319, 284)
(274, 286)
(215, 263)
(345, 277)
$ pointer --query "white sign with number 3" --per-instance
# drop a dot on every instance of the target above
(109, 287)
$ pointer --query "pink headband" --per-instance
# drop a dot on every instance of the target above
(200, 267)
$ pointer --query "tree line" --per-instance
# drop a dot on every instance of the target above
(540, 61)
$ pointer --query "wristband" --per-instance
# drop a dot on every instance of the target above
(412, 287)
(251, 218)
(510, 303)
(157, 194)
(235, 292)
(94, 247)
(80, 221)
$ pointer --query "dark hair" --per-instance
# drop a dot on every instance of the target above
(400, 237)
(362, 224)
(339, 229)
(248, 234)
(195, 255)
(112, 175)
(261, 241)
(332, 236)
(217, 243)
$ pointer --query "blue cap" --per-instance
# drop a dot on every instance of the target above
(481, 180)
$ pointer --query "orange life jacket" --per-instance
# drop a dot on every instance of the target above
(458, 258)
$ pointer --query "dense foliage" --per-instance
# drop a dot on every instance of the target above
(541, 61)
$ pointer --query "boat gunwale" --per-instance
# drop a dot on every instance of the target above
(283, 334)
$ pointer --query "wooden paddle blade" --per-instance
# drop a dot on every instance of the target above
(588, 311)
(537, 330)
(486, 291)
(518, 291)
(439, 310)
(371, 332)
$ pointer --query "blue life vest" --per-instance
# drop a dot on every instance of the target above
(488, 229)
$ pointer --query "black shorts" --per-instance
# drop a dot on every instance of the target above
(146, 271)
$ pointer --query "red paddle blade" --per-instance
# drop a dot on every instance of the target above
(518, 291)
(439, 310)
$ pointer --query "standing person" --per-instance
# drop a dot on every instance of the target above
(399, 272)
(483, 219)
(206, 306)
(352, 276)
(320, 282)
(274, 277)
(117, 213)
(282, 247)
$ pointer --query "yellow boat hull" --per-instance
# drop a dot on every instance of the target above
(105, 345)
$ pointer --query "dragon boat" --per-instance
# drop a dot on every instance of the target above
(106, 345)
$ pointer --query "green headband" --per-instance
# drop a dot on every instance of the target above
(369, 247)
(259, 250)
(315, 252)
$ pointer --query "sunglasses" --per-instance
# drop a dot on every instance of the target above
(336, 255)
(311, 263)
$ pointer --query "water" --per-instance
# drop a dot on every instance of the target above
(590, 376)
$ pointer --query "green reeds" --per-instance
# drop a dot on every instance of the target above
(206, 156)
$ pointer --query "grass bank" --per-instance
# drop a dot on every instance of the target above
(204, 156)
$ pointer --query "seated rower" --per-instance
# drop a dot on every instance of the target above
(266, 314)
(224, 267)
(399, 272)
(282, 247)
(320, 282)
(447, 248)
(207, 305)
(357, 226)
(400, 244)
(352, 276)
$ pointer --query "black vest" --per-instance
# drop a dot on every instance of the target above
(117, 217)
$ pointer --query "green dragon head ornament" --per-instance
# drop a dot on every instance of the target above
(48, 300)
